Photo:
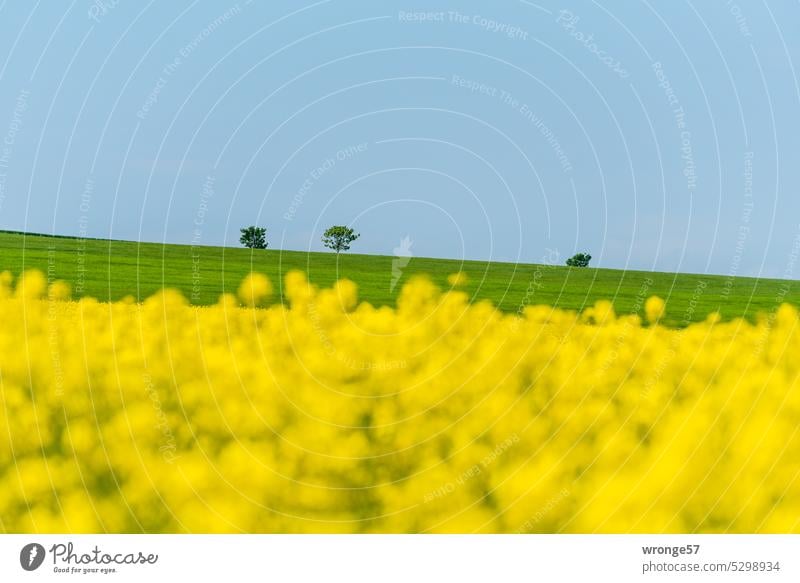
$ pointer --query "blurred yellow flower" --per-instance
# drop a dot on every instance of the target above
(32, 284)
(254, 289)
(457, 279)
(654, 308)
(330, 415)
(59, 290)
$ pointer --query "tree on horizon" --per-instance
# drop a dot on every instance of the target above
(339, 237)
(254, 237)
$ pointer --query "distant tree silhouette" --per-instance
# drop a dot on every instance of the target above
(254, 237)
(579, 260)
(339, 238)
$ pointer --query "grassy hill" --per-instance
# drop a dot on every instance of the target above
(109, 270)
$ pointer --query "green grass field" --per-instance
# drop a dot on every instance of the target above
(109, 270)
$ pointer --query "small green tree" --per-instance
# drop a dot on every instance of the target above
(339, 238)
(254, 237)
(579, 260)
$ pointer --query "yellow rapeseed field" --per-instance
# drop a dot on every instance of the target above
(330, 415)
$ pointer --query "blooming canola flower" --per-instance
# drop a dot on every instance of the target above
(327, 414)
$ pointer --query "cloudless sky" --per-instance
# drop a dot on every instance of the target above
(656, 135)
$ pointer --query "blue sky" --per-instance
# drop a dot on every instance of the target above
(655, 135)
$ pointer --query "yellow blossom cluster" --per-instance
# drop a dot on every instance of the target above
(439, 415)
